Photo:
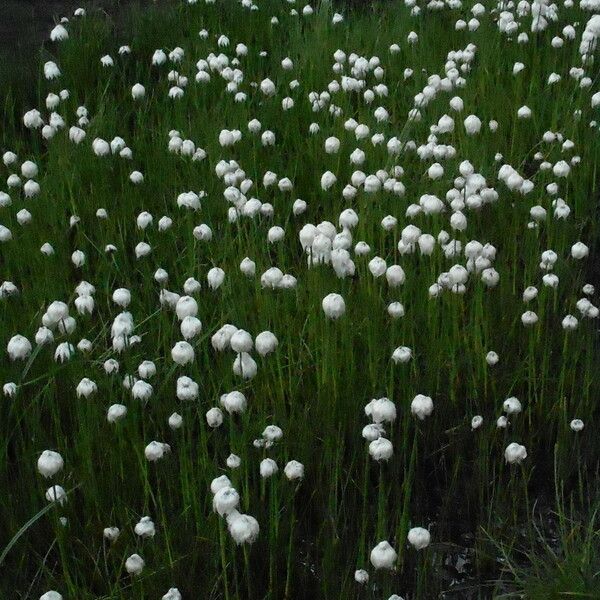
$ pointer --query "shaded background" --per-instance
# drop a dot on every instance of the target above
(25, 25)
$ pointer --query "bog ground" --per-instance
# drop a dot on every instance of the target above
(299, 302)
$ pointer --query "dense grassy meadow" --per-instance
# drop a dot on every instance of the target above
(299, 303)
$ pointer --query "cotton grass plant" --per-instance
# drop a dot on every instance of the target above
(296, 299)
